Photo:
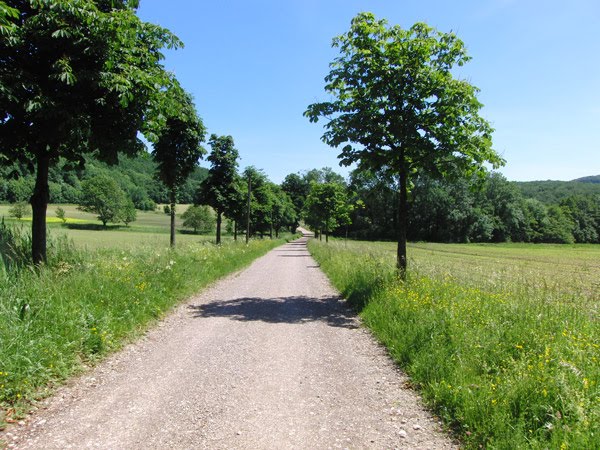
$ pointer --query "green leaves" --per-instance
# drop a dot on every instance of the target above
(393, 88)
(397, 109)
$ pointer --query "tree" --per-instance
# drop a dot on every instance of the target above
(261, 200)
(60, 213)
(327, 207)
(19, 210)
(177, 149)
(102, 195)
(283, 213)
(199, 218)
(397, 108)
(78, 77)
(297, 189)
(128, 212)
(219, 189)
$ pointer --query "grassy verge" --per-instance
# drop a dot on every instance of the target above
(505, 364)
(87, 304)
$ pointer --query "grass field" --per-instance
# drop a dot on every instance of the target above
(84, 229)
(502, 340)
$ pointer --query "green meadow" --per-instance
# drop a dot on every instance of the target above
(503, 341)
(84, 229)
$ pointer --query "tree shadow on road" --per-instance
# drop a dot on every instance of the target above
(292, 310)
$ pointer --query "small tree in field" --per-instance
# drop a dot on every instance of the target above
(199, 218)
(399, 111)
(128, 212)
(60, 213)
(19, 210)
(103, 196)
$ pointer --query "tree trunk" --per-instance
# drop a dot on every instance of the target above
(401, 261)
(173, 200)
(39, 205)
(235, 230)
(219, 227)
(248, 212)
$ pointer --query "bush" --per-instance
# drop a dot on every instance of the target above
(200, 218)
(19, 210)
(60, 213)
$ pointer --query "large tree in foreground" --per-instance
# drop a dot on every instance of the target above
(177, 148)
(219, 189)
(397, 109)
(76, 77)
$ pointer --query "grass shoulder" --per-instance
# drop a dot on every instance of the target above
(87, 304)
(507, 356)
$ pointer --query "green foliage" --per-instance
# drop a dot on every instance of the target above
(219, 189)
(553, 192)
(15, 245)
(260, 200)
(490, 209)
(283, 212)
(80, 309)
(508, 360)
(19, 210)
(327, 207)
(398, 110)
(128, 212)
(103, 196)
(199, 218)
(177, 148)
(297, 186)
(60, 213)
(91, 68)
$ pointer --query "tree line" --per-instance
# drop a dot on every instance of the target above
(465, 210)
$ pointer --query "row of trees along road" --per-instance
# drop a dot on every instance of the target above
(399, 111)
(85, 77)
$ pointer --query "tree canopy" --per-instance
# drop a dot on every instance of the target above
(77, 77)
(102, 195)
(219, 189)
(177, 148)
(397, 108)
(327, 207)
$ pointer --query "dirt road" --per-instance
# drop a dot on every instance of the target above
(267, 358)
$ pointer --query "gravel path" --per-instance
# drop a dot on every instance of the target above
(267, 358)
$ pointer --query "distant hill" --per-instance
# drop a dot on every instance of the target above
(591, 179)
(136, 176)
(552, 192)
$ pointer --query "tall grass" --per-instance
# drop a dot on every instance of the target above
(506, 366)
(55, 319)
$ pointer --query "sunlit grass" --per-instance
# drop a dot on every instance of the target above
(88, 303)
(503, 341)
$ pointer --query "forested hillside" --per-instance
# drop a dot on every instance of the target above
(551, 192)
(135, 175)
(489, 210)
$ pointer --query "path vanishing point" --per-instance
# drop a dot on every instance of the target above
(268, 358)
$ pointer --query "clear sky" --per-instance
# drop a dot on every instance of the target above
(254, 66)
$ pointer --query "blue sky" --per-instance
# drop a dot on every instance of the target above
(254, 66)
